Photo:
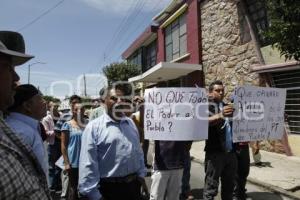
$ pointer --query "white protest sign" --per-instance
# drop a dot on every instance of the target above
(259, 113)
(176, 114)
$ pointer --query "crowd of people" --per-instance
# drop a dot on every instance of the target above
(103, 155)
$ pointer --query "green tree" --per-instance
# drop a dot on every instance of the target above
(51, 98)
(120, 71)
(284, 30)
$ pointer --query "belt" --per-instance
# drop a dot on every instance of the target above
(126, 179)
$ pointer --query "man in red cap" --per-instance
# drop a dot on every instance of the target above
(21, 174)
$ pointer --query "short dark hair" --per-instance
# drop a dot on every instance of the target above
(23, 93)
(104, 91)
(75, 97)
(211, 86)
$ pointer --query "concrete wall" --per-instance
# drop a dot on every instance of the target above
(294, 141)
(225, 55)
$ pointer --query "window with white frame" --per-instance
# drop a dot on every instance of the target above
(175, 38)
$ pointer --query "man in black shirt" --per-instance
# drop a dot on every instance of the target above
(220, 157)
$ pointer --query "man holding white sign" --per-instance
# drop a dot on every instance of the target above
(220, 158)
(173, 117)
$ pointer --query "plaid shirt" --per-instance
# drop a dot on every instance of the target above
(21, 176)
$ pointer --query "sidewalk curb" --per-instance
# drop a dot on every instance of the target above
(273, 188)
(267, 186)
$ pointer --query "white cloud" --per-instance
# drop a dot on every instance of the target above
(122, 7)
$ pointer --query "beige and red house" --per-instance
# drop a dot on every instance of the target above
(193, 42)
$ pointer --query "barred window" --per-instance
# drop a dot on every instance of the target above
(290, 80)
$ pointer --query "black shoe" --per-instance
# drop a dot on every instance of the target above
(148, 166)
(241, 197)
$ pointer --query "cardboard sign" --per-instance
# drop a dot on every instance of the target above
(259, 113)
(176, 114)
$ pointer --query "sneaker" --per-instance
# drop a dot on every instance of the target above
(190, 197)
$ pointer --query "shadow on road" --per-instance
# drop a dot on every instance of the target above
(262, 164)
(263, 196)
(197, 193)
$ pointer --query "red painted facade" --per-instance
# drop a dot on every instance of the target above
(193, 25)
(193, 36)
(193, 32)
(139, 41)
(160, 57)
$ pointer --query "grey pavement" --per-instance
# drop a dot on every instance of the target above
(279, 173)
(276, 180)
(254, 191)
(197, 183)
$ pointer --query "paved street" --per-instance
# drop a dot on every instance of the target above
(254, 192)
(197, 183)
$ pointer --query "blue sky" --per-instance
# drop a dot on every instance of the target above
(77, 37)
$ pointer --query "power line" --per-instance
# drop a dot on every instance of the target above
(133, 16)
(141, 23)
(124, 27)
(123, 22)
(119, 29)
(40, 16)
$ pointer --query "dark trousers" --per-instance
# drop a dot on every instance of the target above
(118, 191)
(145, 147)
(73, 184)
(243, 160)
(219, 165)
(185, 186)
(54, 172)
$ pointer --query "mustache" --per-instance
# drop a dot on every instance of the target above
(118, 106)
(123, 107)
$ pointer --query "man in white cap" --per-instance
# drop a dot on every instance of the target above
(21, 174)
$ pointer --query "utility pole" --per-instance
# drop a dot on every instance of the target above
(84, 82)
(29, 74)
(29, 69)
